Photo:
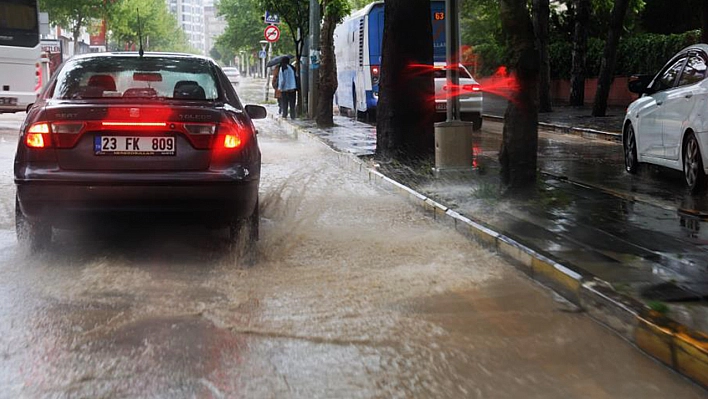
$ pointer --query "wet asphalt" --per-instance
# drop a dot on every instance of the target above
(644, 234)
(356, 294)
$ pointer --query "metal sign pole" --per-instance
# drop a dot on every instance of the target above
(452, 31)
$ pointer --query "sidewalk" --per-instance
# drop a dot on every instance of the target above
(606, 254)
(567, 119)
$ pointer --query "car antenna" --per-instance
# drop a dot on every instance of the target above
(140, 36)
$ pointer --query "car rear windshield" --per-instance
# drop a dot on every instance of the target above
(441, 73)
(137, 78)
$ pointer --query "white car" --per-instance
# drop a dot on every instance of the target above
(233, 74)
(668, 125)
(470, 95)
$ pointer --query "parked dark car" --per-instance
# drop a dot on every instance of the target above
(119, 134)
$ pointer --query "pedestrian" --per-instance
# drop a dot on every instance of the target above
(287, 84)
(278, 95)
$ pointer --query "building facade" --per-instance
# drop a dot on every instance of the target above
(214, 25)
(190, 16)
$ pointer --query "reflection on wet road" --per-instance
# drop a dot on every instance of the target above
(356, 294)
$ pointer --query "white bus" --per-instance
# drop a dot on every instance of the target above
(20, 69)
(357, 48)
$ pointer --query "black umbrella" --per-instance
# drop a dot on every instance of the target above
(276, 60)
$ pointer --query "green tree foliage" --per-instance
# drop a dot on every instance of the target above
(480, 24)
(75, 14)
(244, 25)
(160, 29)
(637, 54)
(294, 14)
(357, 4)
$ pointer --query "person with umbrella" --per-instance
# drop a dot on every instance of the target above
(278, 95)
(275, 64)
(287, 84)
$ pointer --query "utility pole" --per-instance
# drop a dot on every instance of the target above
(314, 72)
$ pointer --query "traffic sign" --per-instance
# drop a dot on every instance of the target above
(262, 54)
(271, 33)
(271, 18)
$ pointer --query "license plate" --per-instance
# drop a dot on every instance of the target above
(441, 106)
(8, 101)
(134, 145)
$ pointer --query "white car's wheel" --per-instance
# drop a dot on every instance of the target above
(693, 165)
(630, 151)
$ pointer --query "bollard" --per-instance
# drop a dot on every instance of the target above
(453, 147)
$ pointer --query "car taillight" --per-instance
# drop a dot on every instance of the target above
(37, 136)
(67, 127)
(466, 88)
(199, 128)
(231, 135)
(471, 88)
(232, 141)
(375, 74)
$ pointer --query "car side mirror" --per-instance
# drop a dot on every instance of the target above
(256, 111)
(28, 107)
(640, 84)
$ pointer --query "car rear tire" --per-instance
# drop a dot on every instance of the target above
(630, 151)
(243, 235)
(35, 236)
(693, 165)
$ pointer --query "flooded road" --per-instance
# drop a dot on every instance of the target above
(356, 295)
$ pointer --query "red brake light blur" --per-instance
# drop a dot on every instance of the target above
(133, 124)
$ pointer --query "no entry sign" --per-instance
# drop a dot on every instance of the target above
(271, 33)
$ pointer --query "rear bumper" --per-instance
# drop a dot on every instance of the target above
(208, 203)
(470, 105)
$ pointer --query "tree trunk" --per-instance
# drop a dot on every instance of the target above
(519, 147)
(609, 57)
(405, 111)
(541, 14)
(328, 71)
(77, 33)
(580, 50)
(299, 44)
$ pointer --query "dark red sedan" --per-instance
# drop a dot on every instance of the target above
(119, 134)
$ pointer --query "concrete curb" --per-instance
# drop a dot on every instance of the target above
(574, 131)
(677, 346)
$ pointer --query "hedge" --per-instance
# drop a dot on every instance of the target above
(638, 54)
